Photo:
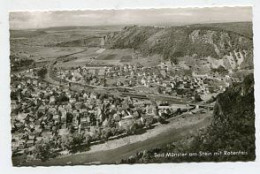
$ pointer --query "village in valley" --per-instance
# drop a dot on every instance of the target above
(102, 103)
(82, 93)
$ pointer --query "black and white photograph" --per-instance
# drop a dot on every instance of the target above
(132, 86)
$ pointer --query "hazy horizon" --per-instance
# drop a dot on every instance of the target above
(159, 17)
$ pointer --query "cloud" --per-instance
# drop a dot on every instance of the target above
(21, 20)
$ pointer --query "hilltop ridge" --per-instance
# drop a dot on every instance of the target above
(212, 47)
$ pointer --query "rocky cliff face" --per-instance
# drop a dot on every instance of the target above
(238, 98)
(220, 47)
(232, 48)
(233, 126)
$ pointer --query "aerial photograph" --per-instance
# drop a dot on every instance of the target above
(132, 86)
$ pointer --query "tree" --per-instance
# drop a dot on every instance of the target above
(14, 95)
(42, 72)
(105, 134)
(62, 98)
(88, 140)
(233, 126)
(43, 151)
(134, 128)
(197, 97)
(75, 141)
(159, 89)
(148, 122)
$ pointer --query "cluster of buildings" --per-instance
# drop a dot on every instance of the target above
(158, 79)
(42, 111)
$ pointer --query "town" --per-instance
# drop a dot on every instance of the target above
(107, 103)
(119, 86)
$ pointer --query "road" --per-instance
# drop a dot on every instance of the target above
(113, 151)
(49, 76)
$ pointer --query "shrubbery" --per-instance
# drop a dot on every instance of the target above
(42, 72)
(232, 129)
(43, 151)
(176, 42)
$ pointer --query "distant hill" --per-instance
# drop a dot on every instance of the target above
(242, 28)
(64, 28)
(26, 33)
(85, 42)
(228, 45)
(202, 47)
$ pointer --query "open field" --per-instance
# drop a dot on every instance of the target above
(93, 56)
(47, 36)
(39, 54)
(46, 44)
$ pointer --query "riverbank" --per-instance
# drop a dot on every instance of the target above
(114, 150)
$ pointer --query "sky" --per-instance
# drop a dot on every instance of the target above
(174, 16)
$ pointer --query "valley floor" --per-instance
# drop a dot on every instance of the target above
(181, 127)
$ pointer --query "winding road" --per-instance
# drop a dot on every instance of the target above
(111, 152)
(178, 128)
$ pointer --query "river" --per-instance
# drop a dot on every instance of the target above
(113, 151)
